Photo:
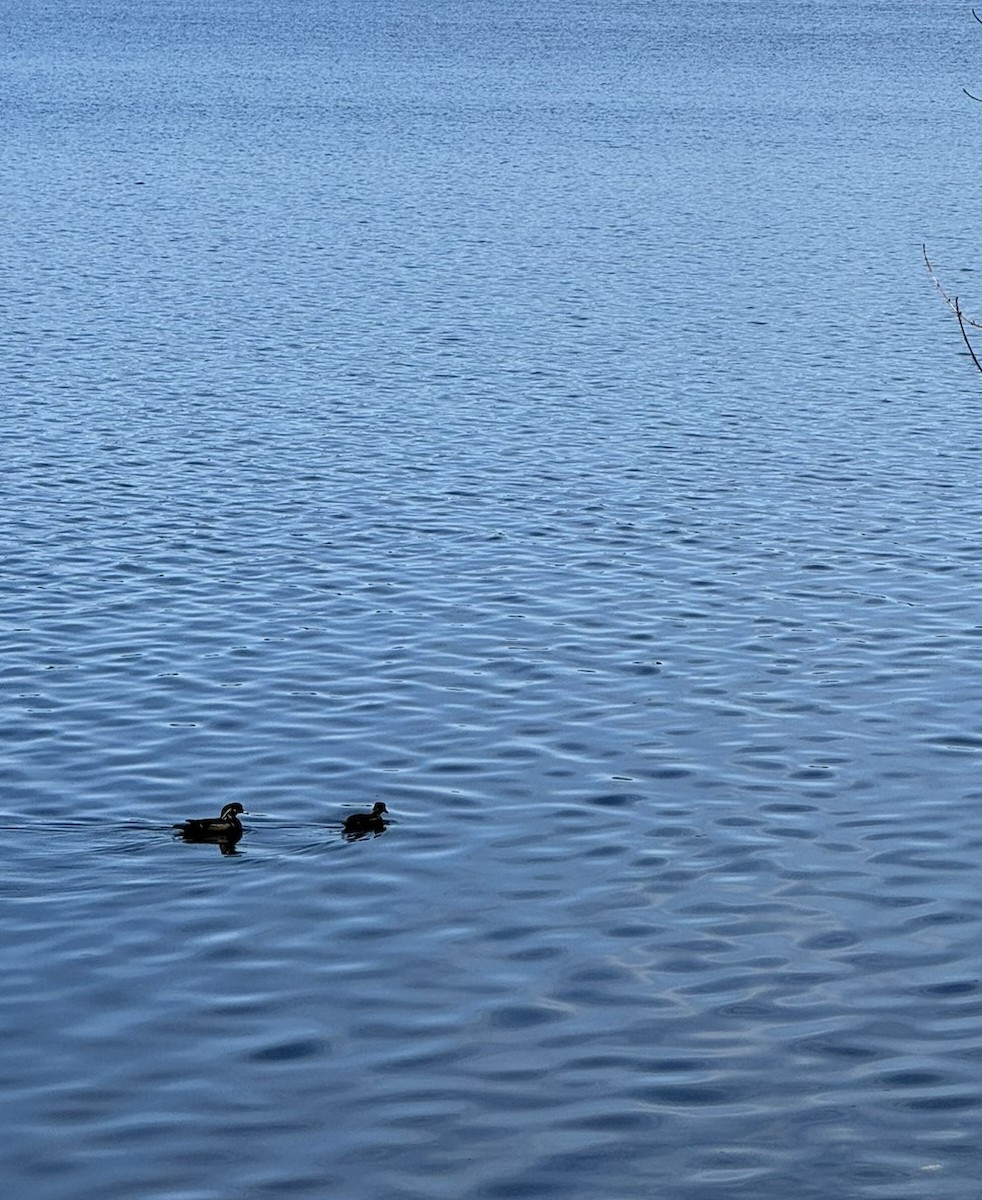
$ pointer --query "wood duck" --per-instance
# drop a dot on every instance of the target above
(226, 828)
(358, 824)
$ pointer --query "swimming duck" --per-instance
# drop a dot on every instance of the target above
(358, 824)
(225, 828)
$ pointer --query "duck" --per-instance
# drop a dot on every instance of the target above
(224, 828)
(358, 824)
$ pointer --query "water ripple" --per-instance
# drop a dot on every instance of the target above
(534, 457)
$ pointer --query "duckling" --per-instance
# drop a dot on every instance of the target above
(224, 828)
(358, 824)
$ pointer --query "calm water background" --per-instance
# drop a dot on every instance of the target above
(536, 416)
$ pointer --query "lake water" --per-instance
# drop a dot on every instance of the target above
(536, 416)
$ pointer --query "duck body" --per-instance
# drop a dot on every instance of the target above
(224, 828)
(360, 824)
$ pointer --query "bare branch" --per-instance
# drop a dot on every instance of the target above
(952, 302)
(961, 326)
(956, 308)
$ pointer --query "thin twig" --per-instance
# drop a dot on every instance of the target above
(952, 301)
(952, 304)
(956, 308)
(965, 90)
(961, 326)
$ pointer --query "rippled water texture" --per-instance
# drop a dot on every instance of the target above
(536, 417)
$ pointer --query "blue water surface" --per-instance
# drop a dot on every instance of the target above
(537, 417)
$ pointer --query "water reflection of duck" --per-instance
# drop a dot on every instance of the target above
(224, 830)
(359, 824)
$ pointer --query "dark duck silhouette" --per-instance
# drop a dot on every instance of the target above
(359, 825)
(224, 830)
